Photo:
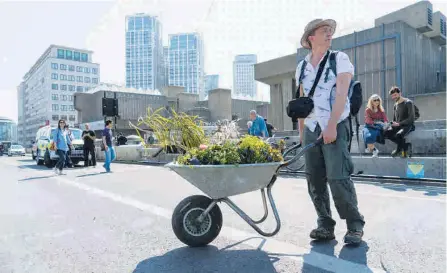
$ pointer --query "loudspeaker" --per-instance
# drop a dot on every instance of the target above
(109, 107)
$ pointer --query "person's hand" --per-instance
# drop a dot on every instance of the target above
(395, 124)
(329, 134)
(106, 147)
(301, 139)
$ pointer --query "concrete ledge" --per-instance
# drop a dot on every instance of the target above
(434, 167)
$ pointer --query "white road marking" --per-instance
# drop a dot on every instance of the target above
(315, 259)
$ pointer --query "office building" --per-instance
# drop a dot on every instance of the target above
(144, 52)
(244, 84)
(211, 83)
(166, 65)
(46, 93)
(186, 62)
(7, 127)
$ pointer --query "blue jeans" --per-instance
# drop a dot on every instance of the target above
(110, 156)
(61, 161)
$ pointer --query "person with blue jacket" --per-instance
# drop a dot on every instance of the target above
(258, 127)
(61, 142)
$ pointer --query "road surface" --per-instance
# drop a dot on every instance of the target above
(90, 221)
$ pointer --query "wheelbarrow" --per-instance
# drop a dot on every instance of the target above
(197, 220)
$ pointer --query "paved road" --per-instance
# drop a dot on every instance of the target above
(89, 221)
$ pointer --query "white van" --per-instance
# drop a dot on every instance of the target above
(44, 155)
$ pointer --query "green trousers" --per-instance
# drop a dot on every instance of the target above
(332, 163)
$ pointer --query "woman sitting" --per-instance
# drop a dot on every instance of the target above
(375, 122)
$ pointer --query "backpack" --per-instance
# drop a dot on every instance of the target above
(355, 95)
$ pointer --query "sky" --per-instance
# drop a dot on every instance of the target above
(268, 28)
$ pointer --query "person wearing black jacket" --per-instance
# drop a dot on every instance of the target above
(89, 146)
(403, 122)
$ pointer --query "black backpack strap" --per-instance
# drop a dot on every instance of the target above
(332, 65)
(300, 78)
(351, 133)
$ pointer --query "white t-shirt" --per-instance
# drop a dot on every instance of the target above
(324, 91)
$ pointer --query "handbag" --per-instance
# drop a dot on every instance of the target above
(301, 107)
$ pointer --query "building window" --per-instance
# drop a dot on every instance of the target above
(84, 57)
(63, 108)
(87, 79)
(86, 69)
(54, 66)
(54, 86)
(94, 80)
(71, 88)
(95, 71)
(55, 107)
(71, 78)
(79, 78)
(70, 98)
(55, 97)
(71, 68)
(54, 76)
(79, 69)
(72, 118)
(63, 87)
(61, 53)
(443, 25)
(430, 16)
(77, 56)
(79, 89)
(68, 54)
(63, 77)
(71, 107)
(64, 97)
(63, 67)
(64, 117)
(55, 117)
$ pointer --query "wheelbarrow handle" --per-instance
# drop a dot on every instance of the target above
(301, 153)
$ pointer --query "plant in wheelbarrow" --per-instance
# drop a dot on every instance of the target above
(221, 171)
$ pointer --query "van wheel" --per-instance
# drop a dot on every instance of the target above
(39, 160)
(47, 160)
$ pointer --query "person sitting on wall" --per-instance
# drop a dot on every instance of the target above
(258, 127)
(403, 122)
(375, 122)
(270, 128)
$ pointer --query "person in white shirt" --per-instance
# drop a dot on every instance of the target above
(329, 163)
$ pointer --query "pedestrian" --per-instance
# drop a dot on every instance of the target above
(89, 146)
(109, 151)
(375, 123)
(61, 142)
(405, 114)
(258, 127)
(329, 163)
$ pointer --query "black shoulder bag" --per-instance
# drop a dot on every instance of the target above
(301, 107)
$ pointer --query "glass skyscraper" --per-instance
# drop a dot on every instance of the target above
(186, 62)
(211, 83)
(144, 52)
(244, 83)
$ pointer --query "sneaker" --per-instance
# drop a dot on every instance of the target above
(395, 153)
(56, 170)
(322, 234)
(367, 151)
(353, 237)
(375, 152)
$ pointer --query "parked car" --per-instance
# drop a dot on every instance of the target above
(16, 150)
(44, 138)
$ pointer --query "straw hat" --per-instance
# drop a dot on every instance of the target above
(313, 25)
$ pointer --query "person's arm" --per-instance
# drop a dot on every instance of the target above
(410, 119)
(55, 138)
(301, 91)
(104, 141)
(385, 118)
(93, 136)
(264, 131)
(368, 119)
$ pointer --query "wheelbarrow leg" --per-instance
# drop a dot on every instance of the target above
(253, 223)
(266, 211)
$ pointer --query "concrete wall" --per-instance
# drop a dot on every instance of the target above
(219, 102)
(187, 101)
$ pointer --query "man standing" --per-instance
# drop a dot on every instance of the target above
(108, 147)
(331, 162)
(89, 146)
(403, 122)
(258, 127)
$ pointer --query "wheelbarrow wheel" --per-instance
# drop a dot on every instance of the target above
(186, 227)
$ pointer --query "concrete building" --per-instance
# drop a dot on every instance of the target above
(46, 93)
(211, 82)
(144, 52)
(244, 84)
(186, 62)
(133, 104)
(166, 65)
(390, 53)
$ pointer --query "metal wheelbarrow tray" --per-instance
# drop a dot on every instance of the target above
(197, 220)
